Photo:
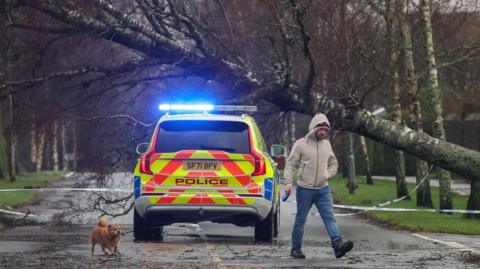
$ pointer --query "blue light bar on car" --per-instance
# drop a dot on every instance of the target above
(178, 107)
(206, 107)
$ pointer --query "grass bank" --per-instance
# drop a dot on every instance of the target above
(384, 190)
(10, 200)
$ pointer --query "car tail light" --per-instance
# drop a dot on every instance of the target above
(260, 168)
(145, 162)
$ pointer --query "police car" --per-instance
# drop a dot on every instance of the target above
(205, 166)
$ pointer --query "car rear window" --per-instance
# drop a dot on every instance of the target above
(179, 135)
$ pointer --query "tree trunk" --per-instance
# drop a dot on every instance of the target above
(434, 101)
(351, 165)
(345, 153)
(33, 143)
(458, 159)
(2, 173)
(292, 129)
(13, 142)
(8, 57)
(74, 140)
(55, 147)
(64, 147)
(40, 148)
(396, 108)
(474, 199)
(47, 150)
(3, 78)
(368, 170)
(399, 161)
(424, 196)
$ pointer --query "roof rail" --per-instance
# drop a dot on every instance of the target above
(235, 108)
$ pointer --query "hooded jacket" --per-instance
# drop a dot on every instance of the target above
(313, 158)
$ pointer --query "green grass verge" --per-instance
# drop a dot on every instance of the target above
(29, 180)
(383, 190)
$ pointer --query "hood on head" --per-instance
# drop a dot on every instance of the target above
(316, 120)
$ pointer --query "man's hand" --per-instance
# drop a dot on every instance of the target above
(288, 188)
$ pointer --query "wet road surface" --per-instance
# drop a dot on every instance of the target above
(60, 244)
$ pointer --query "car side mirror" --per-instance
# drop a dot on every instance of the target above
(277, 150)
(142, 148)
(279, 153)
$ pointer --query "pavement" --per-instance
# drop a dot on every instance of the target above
(62, 241)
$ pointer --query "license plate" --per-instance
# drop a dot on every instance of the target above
(202, 165)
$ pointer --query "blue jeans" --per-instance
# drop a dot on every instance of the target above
(324, 203)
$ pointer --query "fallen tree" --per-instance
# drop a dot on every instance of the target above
(155, 33)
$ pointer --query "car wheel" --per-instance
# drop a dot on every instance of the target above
(264, 229)
(141, 227)
(157, 233)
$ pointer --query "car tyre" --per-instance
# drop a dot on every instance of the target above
(264, 229)
(141, 227)
(157, 233)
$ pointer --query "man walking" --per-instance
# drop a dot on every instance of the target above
(313, 156)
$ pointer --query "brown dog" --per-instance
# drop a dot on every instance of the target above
(107, 236)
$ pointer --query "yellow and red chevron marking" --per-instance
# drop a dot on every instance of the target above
(169, 198)
(232, 197)
(201, 199)
(237, 172)
(180, 198)
(172, 166)
(250, 159)
(218, 197)
(168, 167)
(149, 186)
